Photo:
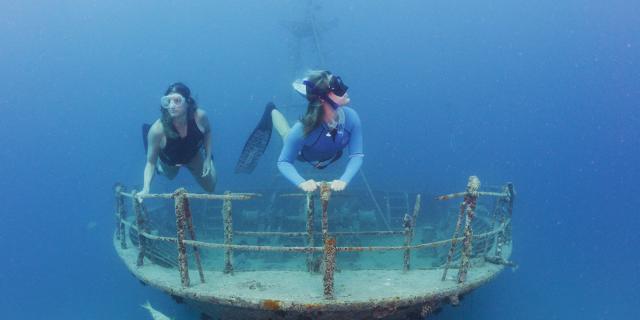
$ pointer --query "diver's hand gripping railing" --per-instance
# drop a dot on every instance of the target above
(329, 247)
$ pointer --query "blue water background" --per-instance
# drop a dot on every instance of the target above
(541, 93)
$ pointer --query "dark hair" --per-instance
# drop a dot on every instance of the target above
(317, 89)
(192, 106)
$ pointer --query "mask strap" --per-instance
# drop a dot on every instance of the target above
(332, 103)
(310, 88)
(310, 85)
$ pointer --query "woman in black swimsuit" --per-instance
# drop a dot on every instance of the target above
(181, 137)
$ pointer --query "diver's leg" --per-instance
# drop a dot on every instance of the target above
(280, 123)
(166, 170)
(208, 182)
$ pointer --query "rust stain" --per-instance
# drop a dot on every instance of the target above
(330, 242)
(272, 305)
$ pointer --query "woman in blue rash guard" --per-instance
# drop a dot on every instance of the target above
(319, 138)
(321, 135)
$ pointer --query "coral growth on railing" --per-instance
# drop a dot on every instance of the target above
(186, 236)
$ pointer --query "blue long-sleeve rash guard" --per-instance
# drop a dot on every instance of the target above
(321, 146)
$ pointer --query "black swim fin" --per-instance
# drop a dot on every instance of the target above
(257, 142)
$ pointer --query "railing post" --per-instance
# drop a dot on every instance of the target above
(507, 205)
(325, 195)
(228, 234)
(121, 215)
(140, 223)
(470, 199)
(472, 188)
(329, 266)
(512, 197)
(406, 222)
(409, 231)
(329, 242)
(504, 209)
(310, 241)
(499, 238)
(454, 240)
(192, 234)
(180, 195)
(497, 207)
(416, 210)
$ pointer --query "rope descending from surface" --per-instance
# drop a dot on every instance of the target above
(373, 199)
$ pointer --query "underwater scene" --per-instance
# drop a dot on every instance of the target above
(306, 159)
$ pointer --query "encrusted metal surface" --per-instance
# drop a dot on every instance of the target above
(341, 285)
(387, 294)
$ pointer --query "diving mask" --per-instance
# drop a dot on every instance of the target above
(337, 86)
(175, 98)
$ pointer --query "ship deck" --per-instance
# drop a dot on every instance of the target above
(353, 270)
(285, 294)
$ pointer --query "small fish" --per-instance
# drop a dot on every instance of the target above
(155, 314)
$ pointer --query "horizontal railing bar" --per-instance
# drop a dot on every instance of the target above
(299, 194)
(301, 234)
(309, 249)
(231, 196)
(148, 235)
(243, 247)
(415, 246)
(479, 193)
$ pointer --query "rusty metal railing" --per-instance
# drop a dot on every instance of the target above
(329, 248)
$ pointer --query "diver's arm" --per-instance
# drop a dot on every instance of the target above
(203, 124)
(153, 137)
(355, 162)
(292, 145)
(356, 154)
